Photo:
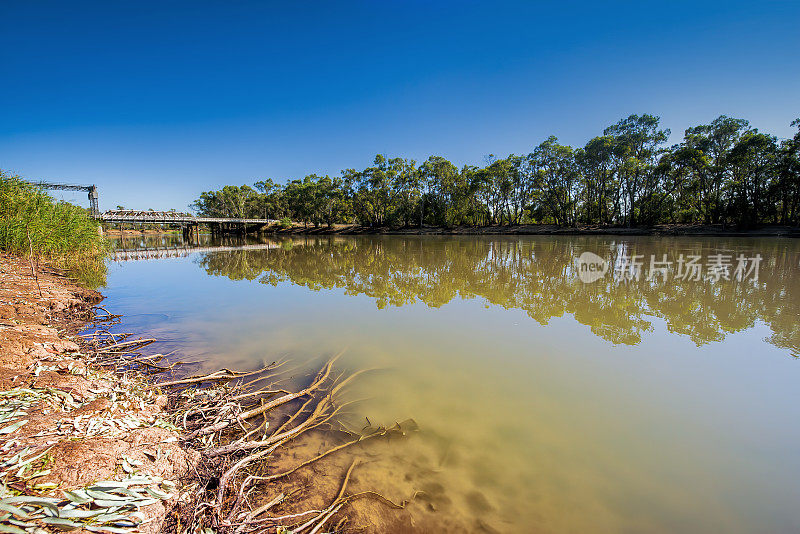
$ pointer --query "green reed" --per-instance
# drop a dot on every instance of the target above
(33, 224)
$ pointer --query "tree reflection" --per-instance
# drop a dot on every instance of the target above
(539, 277)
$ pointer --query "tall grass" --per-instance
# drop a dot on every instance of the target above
(33, 224)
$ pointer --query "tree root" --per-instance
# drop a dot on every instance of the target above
(221, 421)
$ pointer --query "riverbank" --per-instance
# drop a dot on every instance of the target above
(81, 447)
(696, 230)
(97, 437)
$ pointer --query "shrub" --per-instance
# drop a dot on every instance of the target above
(33, 223)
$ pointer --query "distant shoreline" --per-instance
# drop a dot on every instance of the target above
(546, 229)
(664, 230)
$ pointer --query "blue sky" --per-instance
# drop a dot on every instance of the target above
(156, 102)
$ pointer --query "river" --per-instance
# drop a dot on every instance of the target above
(647, 400)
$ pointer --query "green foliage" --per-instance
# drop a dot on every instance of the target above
(721, 173)
(285, 222)
(31, 222)
(230, 201)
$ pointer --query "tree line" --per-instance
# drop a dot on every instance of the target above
(725, 172)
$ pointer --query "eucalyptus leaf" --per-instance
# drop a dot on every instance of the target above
(110, 530)
(77, 496)
(13, 510)
(63, 524)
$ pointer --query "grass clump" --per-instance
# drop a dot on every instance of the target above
(33, 224)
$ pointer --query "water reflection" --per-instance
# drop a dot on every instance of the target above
(539, 277)
(171, 246)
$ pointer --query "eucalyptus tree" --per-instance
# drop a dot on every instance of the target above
(753, 162)
(298, 198)
(440, 178)
(521, 171)
(558, 180)
(230, 201)
(667, 190)
(502, 170)
(272, 200)
(681, 201)
(408, 188)
(351, 188)
(601, 192)
(473, 210)
(710, 145)
(383, 192)
(636, 148)
(506, 188)
(787, 183)
(374, 191)
(526, 186)
(488, 190)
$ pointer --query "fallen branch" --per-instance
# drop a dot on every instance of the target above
(221, 425)
(116, 346)
(222, 374)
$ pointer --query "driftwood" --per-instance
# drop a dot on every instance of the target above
(136, 342)
(221, 425)
(222, 374)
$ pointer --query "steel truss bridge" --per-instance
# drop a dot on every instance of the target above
(172, 217)
(187, 222)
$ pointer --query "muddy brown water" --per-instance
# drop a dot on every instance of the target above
(632, 403)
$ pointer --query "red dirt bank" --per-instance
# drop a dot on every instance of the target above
(86, 423)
